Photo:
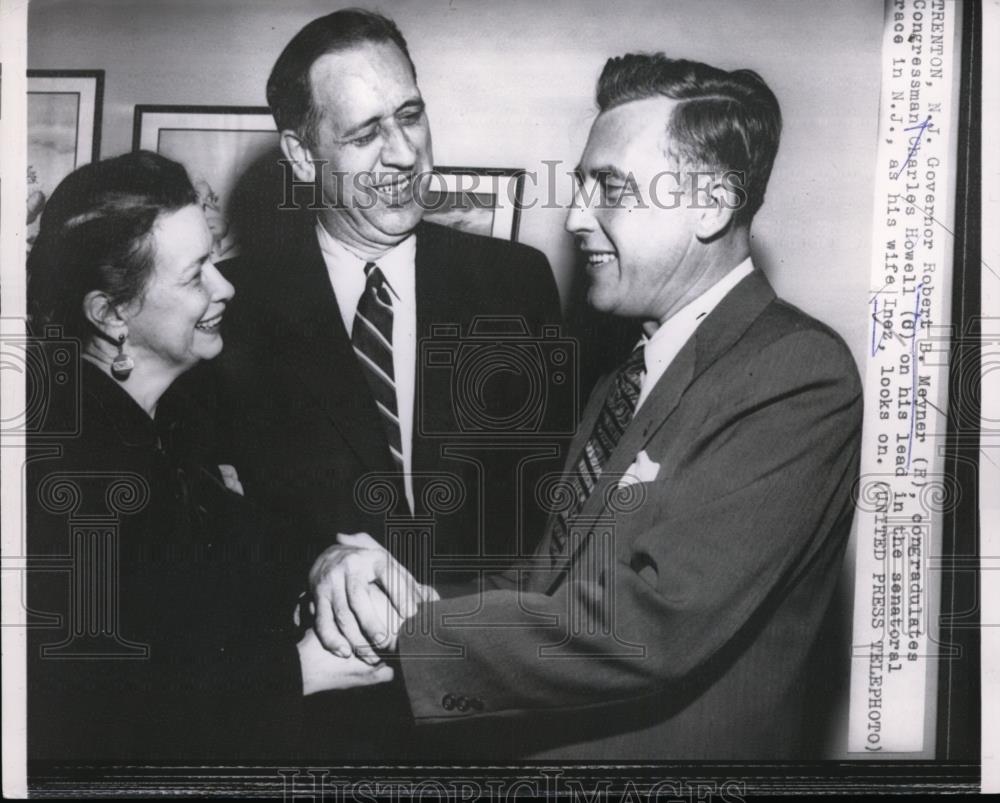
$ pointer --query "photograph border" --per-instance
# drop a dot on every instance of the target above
(962, 560)
(960, 693)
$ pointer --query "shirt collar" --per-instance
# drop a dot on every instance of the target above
(397, 264)
(676, 330)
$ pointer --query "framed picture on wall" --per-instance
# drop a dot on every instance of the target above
(64, 131)
(480, 200)
(217, 145)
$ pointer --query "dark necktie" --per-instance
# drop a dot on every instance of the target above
(615, 415)
(371, 338)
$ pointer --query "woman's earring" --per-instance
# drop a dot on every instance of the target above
(123, 364)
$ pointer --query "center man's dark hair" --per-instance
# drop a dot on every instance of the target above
(289, 93)
(724, 120)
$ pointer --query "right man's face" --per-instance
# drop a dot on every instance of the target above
(634, 222)
(375, 140)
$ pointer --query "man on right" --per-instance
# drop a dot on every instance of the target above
(672, 606)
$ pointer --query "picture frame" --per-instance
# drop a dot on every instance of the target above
(482, 200)
(64, 117)
(217, 145)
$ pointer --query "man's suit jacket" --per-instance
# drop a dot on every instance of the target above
(302, 427)
(298, 422)
(680, 623)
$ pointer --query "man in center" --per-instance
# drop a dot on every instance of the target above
(330, 421)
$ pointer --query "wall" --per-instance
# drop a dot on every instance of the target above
(512, 83)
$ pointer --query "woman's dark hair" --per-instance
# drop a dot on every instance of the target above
(96, 234)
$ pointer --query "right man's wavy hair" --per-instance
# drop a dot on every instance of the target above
(724, 120)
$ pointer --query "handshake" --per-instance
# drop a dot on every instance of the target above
(359, 598)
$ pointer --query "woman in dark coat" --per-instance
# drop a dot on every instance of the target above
(155, 632)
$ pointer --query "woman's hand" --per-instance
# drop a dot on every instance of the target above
(361, 596)
(324, 671)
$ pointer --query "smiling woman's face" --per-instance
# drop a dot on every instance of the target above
(176, 322)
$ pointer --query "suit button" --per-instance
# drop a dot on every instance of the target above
(477, 704)
(447, 702)
(462, 704)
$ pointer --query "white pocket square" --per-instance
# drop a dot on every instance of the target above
(642, 470)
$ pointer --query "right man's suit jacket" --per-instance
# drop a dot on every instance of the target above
(680, 622)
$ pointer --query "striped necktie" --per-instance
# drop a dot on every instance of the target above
(615, 415)
(371, 338)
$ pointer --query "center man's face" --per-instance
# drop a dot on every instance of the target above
(375, 140)
(633, 215)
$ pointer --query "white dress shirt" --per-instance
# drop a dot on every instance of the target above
(347, 275)
(669, 339)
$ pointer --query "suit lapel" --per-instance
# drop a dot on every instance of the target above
(588, 421)
(439, 280)
(439, 290)
(319, 349)
(656, 409)
(720, 331)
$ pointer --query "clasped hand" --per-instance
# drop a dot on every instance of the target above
(361, 596)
